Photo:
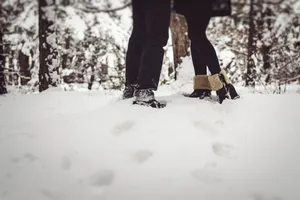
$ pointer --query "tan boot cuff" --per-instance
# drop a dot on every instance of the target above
(215, 82)
(227, 80)
(201, 82)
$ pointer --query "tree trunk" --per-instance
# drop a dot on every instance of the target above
(24, 68)
(11, 71)
(65, 56)
(180, 39)
(47, 46)
(92, 78)
(3, 89)
(32, 63)
(266, 46)
(251, 47)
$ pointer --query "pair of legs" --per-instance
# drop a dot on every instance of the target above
(150, 34)
(198, 14)
(145, 53)
(151, 19)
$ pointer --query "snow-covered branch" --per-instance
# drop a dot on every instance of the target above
(93, 9)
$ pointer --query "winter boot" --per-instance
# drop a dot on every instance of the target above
(145, 97)
(128, 91)
(200, 93)
(202, 88)
(203, 85)
(232, 92)
(218, 84)
(222, 94)
(205, 94)
(230, 88)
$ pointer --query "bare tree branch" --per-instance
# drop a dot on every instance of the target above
(91, 9)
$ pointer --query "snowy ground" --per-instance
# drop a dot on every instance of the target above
(89, 145)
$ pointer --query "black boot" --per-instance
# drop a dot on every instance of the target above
(205, 94)
(200, 93)
(232, 92)
(223, 92)
(128, 91)
(229, 87)
(145, 97)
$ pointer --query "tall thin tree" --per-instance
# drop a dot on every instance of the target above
(251, 46)
(47, 46)
(3, 89)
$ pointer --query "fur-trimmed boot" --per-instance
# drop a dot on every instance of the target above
(202, 87)
(218, 84)
(204, 84)
(200, 93)
(230, 88)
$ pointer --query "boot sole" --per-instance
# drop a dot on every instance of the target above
(150, 104)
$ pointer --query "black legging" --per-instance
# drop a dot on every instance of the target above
(198, 14)
(150, 34)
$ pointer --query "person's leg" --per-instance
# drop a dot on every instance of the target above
(135, 47)
(157, 33)
(197, 21)
(157, 13)
(198, 15)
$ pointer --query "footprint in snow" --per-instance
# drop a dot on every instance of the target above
(66, 163)
(142, 156)
(223, 150)
(51, 194)
(210, 165)
(28, 156)
(219, 122)
(3, 194)
(122, 128)
(260, 196)
(205, 126)
(206, 176)
(8, 175)
(103, 178)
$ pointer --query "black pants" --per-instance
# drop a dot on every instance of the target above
(198, 14)
(150, 34)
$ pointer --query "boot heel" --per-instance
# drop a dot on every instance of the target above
(232, 92)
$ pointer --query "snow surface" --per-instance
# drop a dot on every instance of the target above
(75, 145)
(91, 145)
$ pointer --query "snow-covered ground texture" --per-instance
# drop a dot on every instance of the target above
(90, 145)
(71, 145)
